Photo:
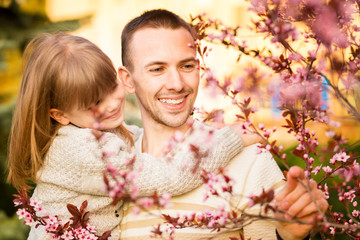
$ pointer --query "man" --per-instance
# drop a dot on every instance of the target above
(161, 69)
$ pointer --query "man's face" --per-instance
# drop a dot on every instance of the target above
(165, 75)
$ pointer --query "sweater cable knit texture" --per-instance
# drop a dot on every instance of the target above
(73, 172)
(251, 171)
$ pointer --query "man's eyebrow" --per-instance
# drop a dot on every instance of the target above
(191, 59)
(155, 63)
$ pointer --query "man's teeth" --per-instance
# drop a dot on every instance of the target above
(172, 101)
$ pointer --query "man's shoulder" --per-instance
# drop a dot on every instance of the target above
(254, 167)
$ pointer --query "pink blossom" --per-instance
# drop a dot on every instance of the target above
(164, 199)
(199, 216)
(79, 231)
(68, 235)
(251, 200)
(219, 117)
(327, 169)
(294, 92)
(21, 212)
(326, 191)
(326, 29)
(28, 219)
(134, 191)
(53, 227)
(267, 134)
(135, 210)
(259, 5)
(178, 136)
(355, 213)
(90, 228)
(111, 169)
(211, 84)
(239, 84)
(339, 157)
(146, 202)
(295, 57)
(98, 125)
(34, 202)
(330, 134)
(312, 54)
(17, 203)
(316, 169)
(350, 195)
(350, 82)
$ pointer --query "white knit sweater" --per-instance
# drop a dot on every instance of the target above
(251, 171)
(73, 172)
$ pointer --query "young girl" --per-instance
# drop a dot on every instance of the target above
(68, 85)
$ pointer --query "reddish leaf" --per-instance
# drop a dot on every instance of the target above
(83, 206)
(105, 235)
(73, 210)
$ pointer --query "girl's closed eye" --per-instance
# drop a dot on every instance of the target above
(94, 105)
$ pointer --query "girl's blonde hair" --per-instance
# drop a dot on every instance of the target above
(61, 71)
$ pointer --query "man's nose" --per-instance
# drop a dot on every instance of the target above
(174, 81)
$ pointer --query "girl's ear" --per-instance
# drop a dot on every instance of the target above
(125, 78)
(59, 116)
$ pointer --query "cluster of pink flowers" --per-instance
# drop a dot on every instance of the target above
(329, 29)
(77, 228)
(332, 64)
(122, 186)
(145, 203)
(217, 184)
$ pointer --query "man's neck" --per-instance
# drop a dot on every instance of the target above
(156, 135)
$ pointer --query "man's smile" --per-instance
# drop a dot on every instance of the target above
(172, 101)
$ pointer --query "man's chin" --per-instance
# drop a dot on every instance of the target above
(176, 121)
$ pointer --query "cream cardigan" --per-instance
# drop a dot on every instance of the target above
(73, 172)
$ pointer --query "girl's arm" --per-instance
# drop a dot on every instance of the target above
(80, 166)
(75, 160)
(179, 171)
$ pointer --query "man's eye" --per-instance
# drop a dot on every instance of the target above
(188, 67)
(156, 70)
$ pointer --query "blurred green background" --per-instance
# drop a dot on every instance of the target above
(18, 24)
(21, 20)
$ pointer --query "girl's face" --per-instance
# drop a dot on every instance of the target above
(108, 111)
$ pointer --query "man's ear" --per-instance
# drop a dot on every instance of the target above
(59, 116)
(125, 78)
